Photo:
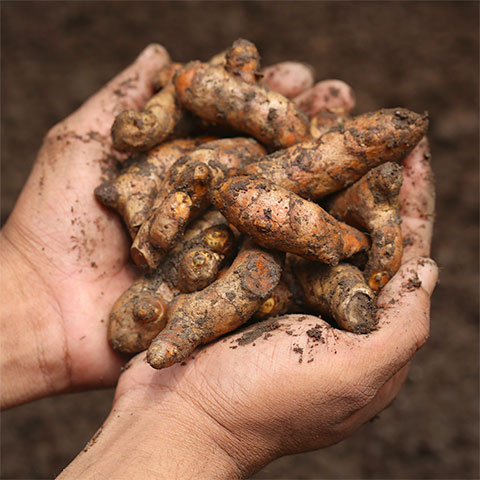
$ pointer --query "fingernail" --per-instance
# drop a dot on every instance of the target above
(427, 271)
(153, 50)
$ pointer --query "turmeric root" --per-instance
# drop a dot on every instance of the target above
(139, 315)
(201, 256)
(133, 191)
(165, 76)
(373, 203)
(220, 95)
(184, 194)
(280, 301)
(326, 120)
(243, 60)
(174, 207)
(317, 168)
(140, 131)
(339, 292)
(203, 316)
(277, 218)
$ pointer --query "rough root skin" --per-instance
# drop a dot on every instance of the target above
(373, 204)
(243, 60)
(280, 301)
(132, 193)
(138, 315)
(278, 219)
(192, 176)
(339, 292)
(327, 120)
(140, 131)
(223, 97)
(140, 312)
(165, 76)
(316, 168)
(223, 306)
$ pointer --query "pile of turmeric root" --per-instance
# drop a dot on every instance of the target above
(241, 207)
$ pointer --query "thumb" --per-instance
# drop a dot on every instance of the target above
(404, 321)
(130, 89)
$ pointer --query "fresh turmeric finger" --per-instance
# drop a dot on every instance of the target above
(373, 204)
(223, 156)
(132, 193)
(191, 178)
(140, 131)
(317, 168)
(221, 97)
(139, 315)
(165, 76)
(326, 120)
(203, 316)
(243, 60)
(280, 301)
(197, 267)
(279, 219)
(339, 292)
(200, 264)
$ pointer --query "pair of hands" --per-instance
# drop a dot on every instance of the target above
(229, 411)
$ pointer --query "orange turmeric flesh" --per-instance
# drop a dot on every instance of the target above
(279, 219)
(223, 306)
(373, 204)
(220, 95)
(317, 168)
(132, 193)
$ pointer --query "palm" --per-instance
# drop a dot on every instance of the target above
(84, 247)
(80, 249)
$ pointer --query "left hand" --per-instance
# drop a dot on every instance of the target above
(65, 257)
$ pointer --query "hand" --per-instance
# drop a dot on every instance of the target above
(236, 404)
(65, 258)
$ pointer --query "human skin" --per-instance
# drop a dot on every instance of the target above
(227, 412)
(64, 256)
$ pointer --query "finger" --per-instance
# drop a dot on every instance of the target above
(289, 78)
(328, 94)
(417, 202)
(128, 90)
(404, 322)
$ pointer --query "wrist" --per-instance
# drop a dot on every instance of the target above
(32, 341)
(163, 439)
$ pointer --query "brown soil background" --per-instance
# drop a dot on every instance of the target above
(421, 55)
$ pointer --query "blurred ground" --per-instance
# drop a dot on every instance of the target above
(421, 55)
